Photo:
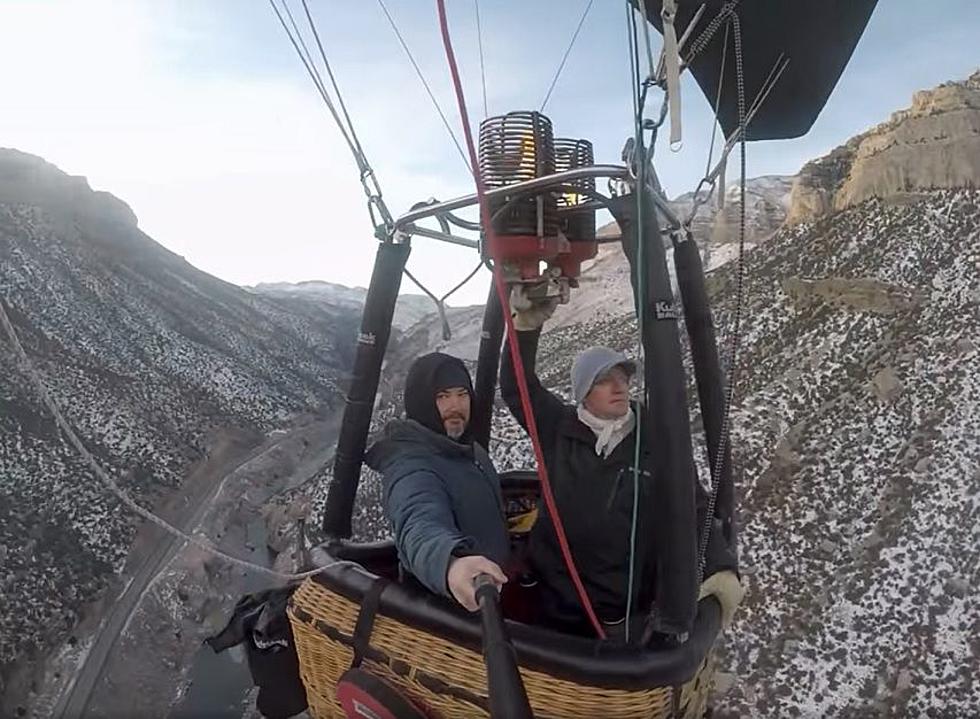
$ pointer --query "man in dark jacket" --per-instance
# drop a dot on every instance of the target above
(589, 448)
(441, 492)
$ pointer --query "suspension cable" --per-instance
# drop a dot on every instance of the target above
(368, 180)
(425, 83)
(568, 50)
(734, 339)
(317, 81)
(362, 161)
(440, 302)
(501, 287)
(483, 71)
(381, 218)
(641, 162)
(119, 492)
(711, 178)
(721, 85)
(308, 57)
(648, 43)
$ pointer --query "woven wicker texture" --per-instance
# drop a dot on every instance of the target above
(444, 678)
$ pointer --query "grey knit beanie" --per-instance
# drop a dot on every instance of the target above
(591, 364)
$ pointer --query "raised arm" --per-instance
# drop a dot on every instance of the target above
(547, 407)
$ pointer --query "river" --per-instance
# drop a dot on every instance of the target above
(219, 682)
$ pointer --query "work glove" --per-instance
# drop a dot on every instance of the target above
(727, 589)
(530, 313)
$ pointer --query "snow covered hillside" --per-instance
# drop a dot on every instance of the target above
(857, 437)
(152, 362)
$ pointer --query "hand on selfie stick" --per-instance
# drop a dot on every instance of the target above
(462, 573)
(505, 686)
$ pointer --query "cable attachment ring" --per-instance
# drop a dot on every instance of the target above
(698, 199)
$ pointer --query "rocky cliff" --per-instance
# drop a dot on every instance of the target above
(933, 144)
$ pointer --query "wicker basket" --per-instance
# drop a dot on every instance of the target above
(448, 680)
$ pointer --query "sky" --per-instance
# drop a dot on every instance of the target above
(198, 114)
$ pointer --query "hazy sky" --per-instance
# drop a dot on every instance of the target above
(198, 114)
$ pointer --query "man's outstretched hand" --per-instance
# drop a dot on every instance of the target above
(464, 570)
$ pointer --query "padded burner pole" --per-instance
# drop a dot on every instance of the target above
(665, 431)
(379, 309)
(508, 697)
(707, 373)
(487, 366)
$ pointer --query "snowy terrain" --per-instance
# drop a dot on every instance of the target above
(150, 359)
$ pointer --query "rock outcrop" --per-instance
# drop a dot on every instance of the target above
(766, 204)
(934, 144)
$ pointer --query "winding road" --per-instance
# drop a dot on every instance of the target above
(77, 694)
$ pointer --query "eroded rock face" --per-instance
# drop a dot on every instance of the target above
(857, 293)
(767, 201)
(933, 144)
(855, 436)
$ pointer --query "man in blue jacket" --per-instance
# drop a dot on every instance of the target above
(441, 492)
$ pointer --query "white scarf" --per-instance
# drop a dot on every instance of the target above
(609, 432)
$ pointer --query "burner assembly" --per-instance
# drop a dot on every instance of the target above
(541, 236)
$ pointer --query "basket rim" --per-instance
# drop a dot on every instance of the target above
(582, 660)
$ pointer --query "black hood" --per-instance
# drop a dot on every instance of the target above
(428, 375)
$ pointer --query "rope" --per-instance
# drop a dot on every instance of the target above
(425, 84)
(725, 434)
(640, 288)
(118, 491)
(564, 58)
(483, 72)
(512, 334)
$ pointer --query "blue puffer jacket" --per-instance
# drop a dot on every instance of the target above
(441, 497)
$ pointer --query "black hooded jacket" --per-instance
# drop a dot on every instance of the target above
(442, 496)
(594, 496)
